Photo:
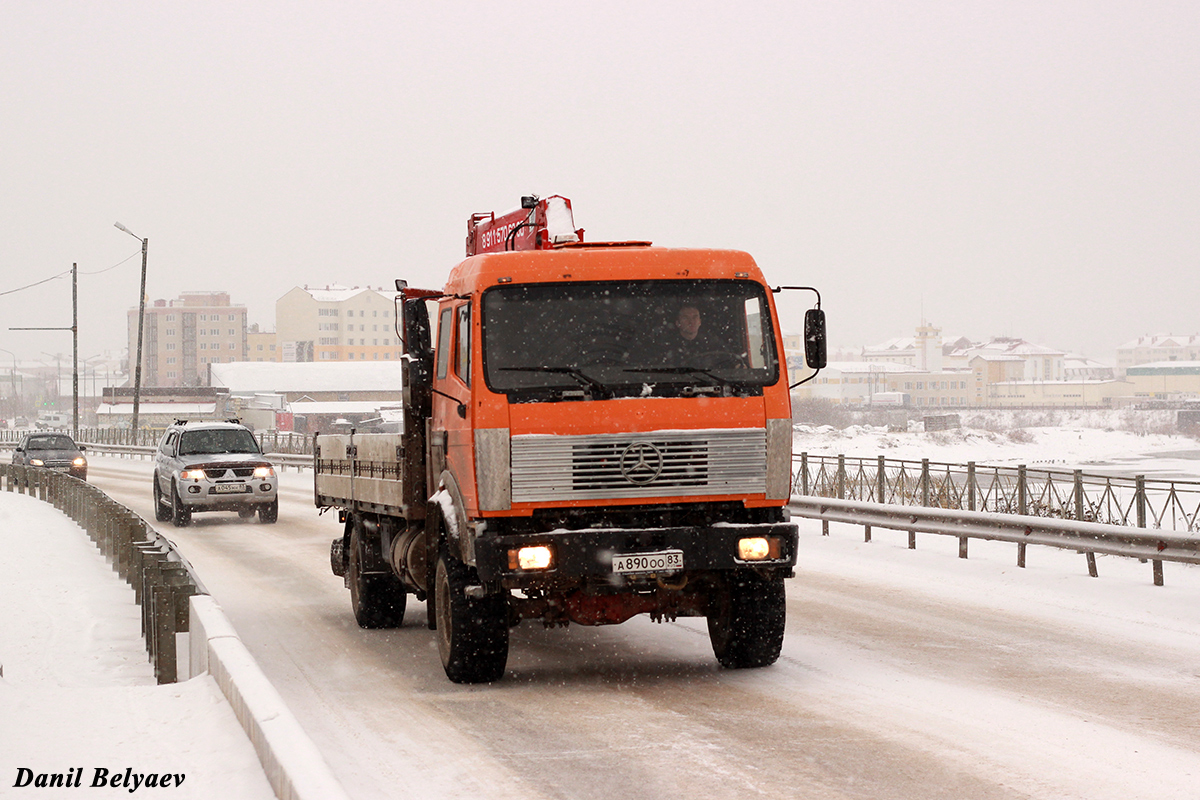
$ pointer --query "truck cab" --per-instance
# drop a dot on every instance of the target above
(598, 431)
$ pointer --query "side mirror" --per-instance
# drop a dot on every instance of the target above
(82, 447)
(814, 338)
(401, 284)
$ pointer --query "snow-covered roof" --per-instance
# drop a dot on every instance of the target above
(251, 377)
(305, 407)
(867, 367)
(335, 293)
(898, 343)
(179, 409)
(1166, 340)
(988, 355)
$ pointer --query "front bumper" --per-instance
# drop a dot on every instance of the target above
(205, 495)
(588, 553)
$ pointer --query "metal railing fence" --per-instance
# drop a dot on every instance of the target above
(161, 578)
(285, 442)
(1087, 538)
(1135, 501)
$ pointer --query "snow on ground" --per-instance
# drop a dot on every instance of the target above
(1075, 445)
(77, 691)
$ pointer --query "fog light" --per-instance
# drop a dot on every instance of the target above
(536, 557)
(266, 487)
(758, 548)
(194, 489)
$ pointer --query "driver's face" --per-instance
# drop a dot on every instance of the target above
(688, 322)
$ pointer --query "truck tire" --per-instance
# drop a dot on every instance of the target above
(181, 515)
(746, 620)
(162, 512)
(472, 633)
(378, 599)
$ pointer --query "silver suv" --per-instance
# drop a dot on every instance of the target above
(212, 466)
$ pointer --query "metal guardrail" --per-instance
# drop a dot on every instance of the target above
(161, 578)
(1134, 501)
(282, 460)
(1087, 538)
(283, 442)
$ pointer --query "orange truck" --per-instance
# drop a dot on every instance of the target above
(591, 431)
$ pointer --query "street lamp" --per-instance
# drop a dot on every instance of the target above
(13, 376)
(85, 374)
(137, 379)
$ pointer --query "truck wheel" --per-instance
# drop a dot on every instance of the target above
(472, 633)
(162, 512)
(181, 515)
(378, 599)
(270, 513)
(746, 620)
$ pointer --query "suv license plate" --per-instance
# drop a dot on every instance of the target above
(230, 488)
(636, 563)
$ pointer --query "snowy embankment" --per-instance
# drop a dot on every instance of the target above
(78, 696)
(1083, 442)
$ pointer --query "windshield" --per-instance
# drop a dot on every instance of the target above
(229, 440)
(616, 339)
(50, 443)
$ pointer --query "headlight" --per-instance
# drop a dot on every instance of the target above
(758, 548)
(536, 557)
(264, 472)
(192, 474)
(80, 462)
(36, 462)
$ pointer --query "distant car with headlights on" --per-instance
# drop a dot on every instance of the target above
(212, 466)
(55, 451)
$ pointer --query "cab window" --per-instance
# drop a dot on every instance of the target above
(445, 327)
(462, 362)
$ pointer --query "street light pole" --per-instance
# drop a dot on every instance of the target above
(75, 351)
(13, 376)
(137, 375)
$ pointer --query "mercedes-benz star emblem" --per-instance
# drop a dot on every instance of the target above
(641, 463)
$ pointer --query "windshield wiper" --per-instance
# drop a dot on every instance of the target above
(586, 381)
(717, 379)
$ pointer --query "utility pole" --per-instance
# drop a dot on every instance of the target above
(75, 351)
(137, 374)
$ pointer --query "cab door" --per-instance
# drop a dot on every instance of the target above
(452, 413)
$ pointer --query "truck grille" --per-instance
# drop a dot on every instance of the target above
(653, 464)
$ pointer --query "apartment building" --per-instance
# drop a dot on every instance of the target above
(182, 337)
(336, 323)
(261, 345)
(1153, 349)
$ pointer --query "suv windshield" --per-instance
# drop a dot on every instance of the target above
(221, 440)
(50, 443)
(617, 338)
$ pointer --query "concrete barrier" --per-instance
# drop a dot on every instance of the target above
(293, 765)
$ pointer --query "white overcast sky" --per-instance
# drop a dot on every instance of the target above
(1003, 168)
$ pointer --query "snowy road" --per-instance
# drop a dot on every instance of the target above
(905, 675)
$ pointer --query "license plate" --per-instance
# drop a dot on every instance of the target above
(661, 561)
(230, 488)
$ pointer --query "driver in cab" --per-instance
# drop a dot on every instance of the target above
(690, 340)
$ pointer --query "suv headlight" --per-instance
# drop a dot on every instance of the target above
(36, 462)
(192, 474)
(80, 461)
(264, 472)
